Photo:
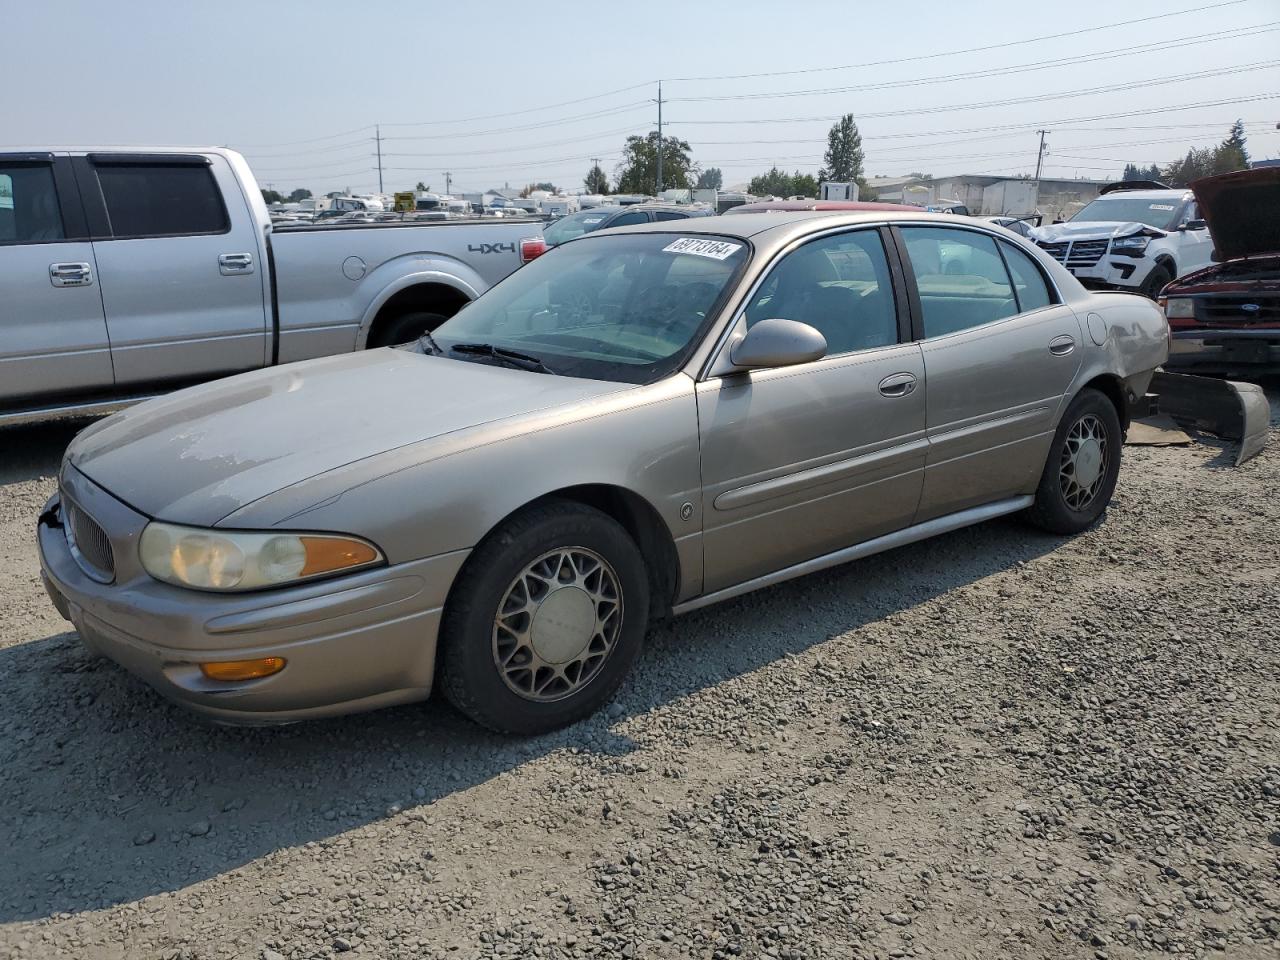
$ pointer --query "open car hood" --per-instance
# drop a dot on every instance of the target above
(1243, 211)
(1092, 230)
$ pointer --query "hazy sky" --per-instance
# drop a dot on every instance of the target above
(297, 86)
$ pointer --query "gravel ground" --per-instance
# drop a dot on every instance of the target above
(997, 744)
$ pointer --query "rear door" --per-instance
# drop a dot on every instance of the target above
(804, 460)
(1000, 352)
(177, 253)
(53, 338)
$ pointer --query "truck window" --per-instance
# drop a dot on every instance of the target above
(29, 210)
(155, 200)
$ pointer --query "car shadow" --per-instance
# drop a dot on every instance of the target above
(111, 794)
(32, 452)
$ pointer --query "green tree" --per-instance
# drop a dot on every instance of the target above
(1232, 154)
(842, 162)
(596, 181)
(804, 185)
(710, 179)
(1199, 162)
(273, 196)
(422, 187)
(302, 193)
(638, 171)
(775, 183)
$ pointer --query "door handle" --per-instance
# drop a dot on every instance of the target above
(1061, 346)
(230, 264)
(70, 274)
(897, 385)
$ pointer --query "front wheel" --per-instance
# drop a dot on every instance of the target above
(406, 327)
(1084, 462)
(1156, 281)
(545, 620)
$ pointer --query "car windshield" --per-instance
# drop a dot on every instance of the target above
(629, 308)
(574, 225)
(1154, 213)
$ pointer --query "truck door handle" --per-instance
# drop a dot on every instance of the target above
(70, 274)
(230, 264)
(897, 385)
(1061, 346)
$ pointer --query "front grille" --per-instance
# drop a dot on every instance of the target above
(1236, 311)
(89, 542)
(1076, 253)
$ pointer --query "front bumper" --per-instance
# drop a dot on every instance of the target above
(1113, 273)
(1224, 349)
(352, 643)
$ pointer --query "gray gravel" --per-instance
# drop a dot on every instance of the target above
(995, 745)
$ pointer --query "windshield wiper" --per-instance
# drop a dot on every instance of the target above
(513, 358)
(430, 341)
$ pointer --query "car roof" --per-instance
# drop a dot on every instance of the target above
(786, 223)
(1175, 194)
(762, 206)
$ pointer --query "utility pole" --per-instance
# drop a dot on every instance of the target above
(448, 181)
(377, 137)
(595, 163)
(1040, 154)
(659, 137)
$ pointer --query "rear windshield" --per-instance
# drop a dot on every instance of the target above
(1154, 213)
(575, 225)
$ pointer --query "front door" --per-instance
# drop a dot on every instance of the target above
(1000, 352)
(181, 283)
(53, 339)
(803, 460)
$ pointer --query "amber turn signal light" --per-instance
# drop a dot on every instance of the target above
(230, 670)
(326, 554)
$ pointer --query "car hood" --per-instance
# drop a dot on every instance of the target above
(1243, 211)
(198, 455)
(1092, 230)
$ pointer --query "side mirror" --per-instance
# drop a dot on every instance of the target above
(778, 343)
(1194, 225)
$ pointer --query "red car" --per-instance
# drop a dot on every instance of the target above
(1227, 316)
(771, 206)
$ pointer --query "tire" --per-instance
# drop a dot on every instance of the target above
(551, 678)
(1063, 505)
(406, 327)
(1156, 281)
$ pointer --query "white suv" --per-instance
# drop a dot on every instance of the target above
(1131, 238)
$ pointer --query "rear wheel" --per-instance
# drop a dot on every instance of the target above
(1156, 281)
(1084, 462)
(545, 620)
(406, 327)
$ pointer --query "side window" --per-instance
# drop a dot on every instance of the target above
(1028, 281)
(626, 219)
(670, 215)
(158, 200)
(839, 285)
(960, 277)
(29, 210)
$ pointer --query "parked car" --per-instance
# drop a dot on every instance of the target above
(127, 273)
(1227, 316)
(1134, 236)
(601, 218)
(831, 206)
(643, 422)
(1022, 226)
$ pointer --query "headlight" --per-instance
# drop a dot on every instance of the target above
(230, 560)
(1180, 308)
(1134, 246)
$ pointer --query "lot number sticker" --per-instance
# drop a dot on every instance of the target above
(1161, 206)
(715, 249)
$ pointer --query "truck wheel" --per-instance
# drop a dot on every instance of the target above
(406, 327)
(1156, 281)
(544, 621)
(1084, 462)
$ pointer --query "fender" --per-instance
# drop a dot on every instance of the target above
(437, 270)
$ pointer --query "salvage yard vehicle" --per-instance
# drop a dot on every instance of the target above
(1136, 236)
(1226, 316)
(127, 273)
(604, 218)
(641, 423)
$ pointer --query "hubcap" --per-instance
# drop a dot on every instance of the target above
(1083, 467)
(557, 623)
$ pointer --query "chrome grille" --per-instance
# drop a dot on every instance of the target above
(89, 542)
(1078, 253)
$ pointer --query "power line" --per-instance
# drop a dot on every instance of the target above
(953, 53)
(1155, 47)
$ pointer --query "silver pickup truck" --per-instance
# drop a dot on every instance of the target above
(125, 273)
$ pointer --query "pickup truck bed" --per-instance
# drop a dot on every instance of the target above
(128, 272)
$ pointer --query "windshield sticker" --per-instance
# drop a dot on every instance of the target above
(592, 219)
(715, 249)
(1161, 206)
